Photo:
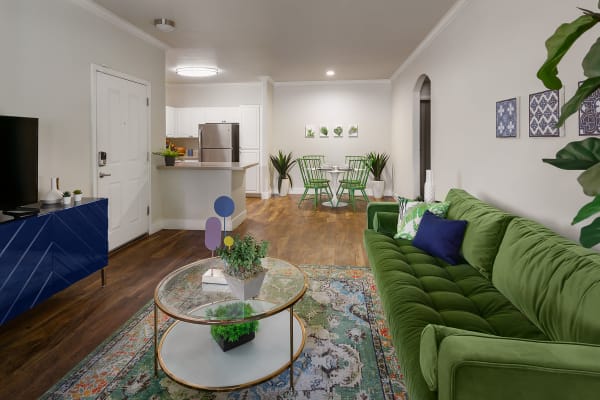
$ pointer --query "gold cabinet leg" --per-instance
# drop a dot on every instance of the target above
(292, 349)
(155, 340)
(103, 277)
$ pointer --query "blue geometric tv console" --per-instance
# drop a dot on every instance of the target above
(43, 254)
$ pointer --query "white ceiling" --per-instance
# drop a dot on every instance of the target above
(287, 40)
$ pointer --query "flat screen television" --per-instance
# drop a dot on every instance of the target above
(19, 162)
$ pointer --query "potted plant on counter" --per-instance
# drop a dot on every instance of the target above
(377, 163)
(66, 198)
(77, 194)
(283, 164)
(232, 335)
(169, 156)
(243, 269)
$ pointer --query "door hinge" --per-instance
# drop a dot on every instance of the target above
(147, 210)
(147, 101)
(147, 156)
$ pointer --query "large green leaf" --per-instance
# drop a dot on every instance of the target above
(590, 180)
(558, 44)
(590, 234)
(587, 211)
(591, 61)
(579, 155)
(588, 87)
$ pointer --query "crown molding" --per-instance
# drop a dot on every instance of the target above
(119, 22)
(439, 28)
(333, 83)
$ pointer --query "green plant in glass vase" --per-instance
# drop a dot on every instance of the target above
(585, 154)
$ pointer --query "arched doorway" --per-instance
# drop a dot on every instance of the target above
(422, 140)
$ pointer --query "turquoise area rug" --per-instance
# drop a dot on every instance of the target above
(348, 352)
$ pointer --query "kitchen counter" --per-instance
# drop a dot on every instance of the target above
(222, 166)
(188, 195)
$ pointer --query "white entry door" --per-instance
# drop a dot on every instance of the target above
(122, 134)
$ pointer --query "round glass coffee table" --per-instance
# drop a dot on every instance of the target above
(188, 354)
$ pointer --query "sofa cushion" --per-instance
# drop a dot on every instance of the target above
(417, 289)
(485, 228)
(553, 281)
(441, 237)
(404, 205)
(412, 218)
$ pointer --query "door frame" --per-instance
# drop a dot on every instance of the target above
(417, 133)
(95, 69)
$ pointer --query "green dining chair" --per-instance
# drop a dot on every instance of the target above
(355, 179)
(313, 178)
(351, 176)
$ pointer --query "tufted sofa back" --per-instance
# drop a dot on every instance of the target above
(485, 228)
(553, 281)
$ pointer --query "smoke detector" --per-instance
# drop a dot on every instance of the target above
(164, 25)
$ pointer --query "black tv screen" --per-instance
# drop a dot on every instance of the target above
(19, 162)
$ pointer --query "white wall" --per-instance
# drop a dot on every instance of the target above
(267, 92)
(366, 103)
(491, 51)
(48, 48)
(213, 95)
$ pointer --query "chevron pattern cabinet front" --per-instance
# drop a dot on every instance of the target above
(42, 255)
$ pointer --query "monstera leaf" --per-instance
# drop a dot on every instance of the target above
(577, 155)
(590, 234)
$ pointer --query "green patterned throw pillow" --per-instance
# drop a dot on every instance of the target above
(412, 218)
(404, 205)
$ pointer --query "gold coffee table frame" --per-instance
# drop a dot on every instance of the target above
(182, 296)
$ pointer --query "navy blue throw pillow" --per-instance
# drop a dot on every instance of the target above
(441, 237)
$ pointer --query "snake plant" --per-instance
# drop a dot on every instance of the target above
(283, 164)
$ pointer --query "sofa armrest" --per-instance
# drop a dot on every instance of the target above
(386, 222)
(469, 365)
(384, 206)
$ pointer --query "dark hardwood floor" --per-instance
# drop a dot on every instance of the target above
(40, 346)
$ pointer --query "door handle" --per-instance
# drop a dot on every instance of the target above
(103, 174)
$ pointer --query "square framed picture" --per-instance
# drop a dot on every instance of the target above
(353, 130)
(507, 118)
(589, 115)
(323, 131)
(310, 131)
(338, 131)
(544, 110)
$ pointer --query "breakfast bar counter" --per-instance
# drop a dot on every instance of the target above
(190, 188)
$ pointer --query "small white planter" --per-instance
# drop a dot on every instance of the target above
(77, 198)
(245, 289)
(285, 187)
(378, 187)
(66, 200)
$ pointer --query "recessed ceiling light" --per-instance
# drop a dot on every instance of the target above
(164, 25)
(197, 72)
(330, 72)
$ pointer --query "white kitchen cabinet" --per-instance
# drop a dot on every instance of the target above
(252, 174)
(188, 119)
(171, 121)
(250, 127)
(221, 114)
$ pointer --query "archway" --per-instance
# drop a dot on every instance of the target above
(422, 131)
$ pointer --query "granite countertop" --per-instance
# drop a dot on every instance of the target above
(223, 166)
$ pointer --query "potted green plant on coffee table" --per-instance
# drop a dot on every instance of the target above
(169, 156)
(377, 163)
(232, 335)
(243, 268)
(283, 164)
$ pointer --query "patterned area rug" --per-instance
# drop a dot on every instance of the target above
(348, 353)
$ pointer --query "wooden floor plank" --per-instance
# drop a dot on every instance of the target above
(40, 346)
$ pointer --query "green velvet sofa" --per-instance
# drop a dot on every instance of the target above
(520, 319)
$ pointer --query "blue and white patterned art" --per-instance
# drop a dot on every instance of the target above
(589, 115)
(544, 108)
(507, 120)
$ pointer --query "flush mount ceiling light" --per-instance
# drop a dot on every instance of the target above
(164, 25)
(330, 72)
(196, 72)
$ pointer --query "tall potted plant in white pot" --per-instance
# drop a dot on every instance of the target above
(377, 163)
(283, 164)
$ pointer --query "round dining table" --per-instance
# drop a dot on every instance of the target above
(335, 172)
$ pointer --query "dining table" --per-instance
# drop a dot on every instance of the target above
(334, 171)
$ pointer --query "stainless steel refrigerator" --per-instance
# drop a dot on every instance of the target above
(219, 142)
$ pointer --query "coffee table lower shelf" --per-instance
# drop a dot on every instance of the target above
(188, 354)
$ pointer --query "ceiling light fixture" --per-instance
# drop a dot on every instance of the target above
(330, 72)
(197, 72)
(164, 25)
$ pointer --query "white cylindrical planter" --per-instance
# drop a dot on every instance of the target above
(285, 187)
(67, 200)
(378, 187)
(429, 190)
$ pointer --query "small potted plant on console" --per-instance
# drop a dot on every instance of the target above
(77, 194)
(66, 198)
(232, 335)
(243, 269)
